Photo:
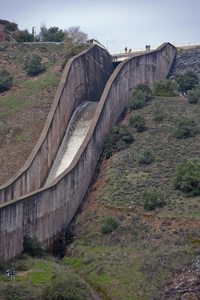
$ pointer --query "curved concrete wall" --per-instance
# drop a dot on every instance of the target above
(84, 78)
(44, 212)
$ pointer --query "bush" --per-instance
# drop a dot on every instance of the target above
(145, 155)
(165, 88)
(24, 36)
(34, 66)
(5, 80)
(66, 287)
(152, 199)
(158, 112)
(185, 127)
(109, 225)
(11, 26)
(187, 176)
(193, 96)
(138, 122)
(11, 292)
(119, 138)
(33, 247)
(187, 81)
(138, 99)
(145, 88)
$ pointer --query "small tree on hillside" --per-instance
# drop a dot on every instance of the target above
(34, 65)
(165, 88)
(187, 81)
(75, 41)
(194, 95)
(53, 34)
(145, 88)
(5, 80)
(24, 36)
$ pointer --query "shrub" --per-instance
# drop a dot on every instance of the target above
(185, 127)
(66, 287)
(193, 96)
(138, 99)
(24, 36)
(11, 292)
(20, 266)
(33, 246)
(5, 80)
(145, 88)
(158, 112)
(152, 199)
(138, 122)
(11, 26)
(109, 225)
(187, 81)
(165, 88)
(187, 176)
(118, 139)
(34, 66)
(145, 155)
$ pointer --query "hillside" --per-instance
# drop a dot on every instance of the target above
(151, 254)
(7, 31)
(148, 254)
(24, 108)
(145, 256)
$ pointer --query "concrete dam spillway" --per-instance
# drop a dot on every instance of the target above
(75, 134)
(27, 207)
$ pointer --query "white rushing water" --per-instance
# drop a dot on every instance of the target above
(74, 137)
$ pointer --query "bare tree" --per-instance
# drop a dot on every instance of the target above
(75, 40)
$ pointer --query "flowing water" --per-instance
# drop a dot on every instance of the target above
(74, 137)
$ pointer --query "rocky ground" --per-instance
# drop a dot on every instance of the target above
(187, 59)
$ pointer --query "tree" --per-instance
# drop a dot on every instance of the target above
(33, 246)
(138, 99)
(187, 81)
(34, 65)
(53, 34)
(75, 40)
(145, 88)
(187, 176)
(24, 36)
(194, 95)
(152, 199)
(165, 88)
(185, 127)
(5, 80)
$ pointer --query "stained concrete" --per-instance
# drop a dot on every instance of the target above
(44, 212)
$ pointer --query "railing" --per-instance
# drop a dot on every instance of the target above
(180, 45)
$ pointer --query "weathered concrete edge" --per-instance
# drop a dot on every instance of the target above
(10, 189)
(92, 126)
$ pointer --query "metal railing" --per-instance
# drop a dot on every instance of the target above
(179, 45)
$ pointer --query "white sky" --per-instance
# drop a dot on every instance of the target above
(124, 23)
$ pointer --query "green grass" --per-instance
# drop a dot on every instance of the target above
(127, 179)
(30, 90)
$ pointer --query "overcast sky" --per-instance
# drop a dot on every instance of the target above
(118, 24)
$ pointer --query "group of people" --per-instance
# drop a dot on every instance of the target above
(127, 51)
(147, 47)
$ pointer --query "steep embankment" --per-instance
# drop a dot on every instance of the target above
(24, 108)
(150, 255)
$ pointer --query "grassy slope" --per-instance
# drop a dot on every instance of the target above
(137, 259)
(24, 108)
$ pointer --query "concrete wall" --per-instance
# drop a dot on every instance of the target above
(44, 212)
(83, 79)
